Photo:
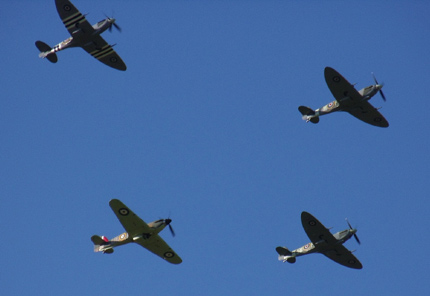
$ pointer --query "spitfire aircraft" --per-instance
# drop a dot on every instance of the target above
(83, 35)
(323, 242)
(348, 99)
(137, 231)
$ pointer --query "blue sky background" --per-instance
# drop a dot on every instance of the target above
(203, 126)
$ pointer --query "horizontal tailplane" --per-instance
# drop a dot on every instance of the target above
(285, 255)
(283, 251)
(100, 243)
(308, 114)
(45, 52)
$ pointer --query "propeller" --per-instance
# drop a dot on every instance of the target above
(380, 90)
(168, 221)
(112, 23)
(116, 27)
(355, 236)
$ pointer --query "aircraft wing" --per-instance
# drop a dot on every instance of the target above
(316, 231)
(367, 113)
(341, 88)
(160, 248)
(102, 51)
(129, 220)
(343, 256)
(74, 21)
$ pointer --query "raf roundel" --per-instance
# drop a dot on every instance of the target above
(336, 78)
(67, 7)
(113, 59)
(169, 254)
(123, 211)
(312, 223)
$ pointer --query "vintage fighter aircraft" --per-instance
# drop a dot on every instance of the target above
(348, 99)
(83, 35)
(323, 242)
(139, 232)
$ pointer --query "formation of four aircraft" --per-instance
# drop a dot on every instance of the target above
(347, 98)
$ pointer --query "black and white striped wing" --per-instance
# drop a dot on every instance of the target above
(104, 52)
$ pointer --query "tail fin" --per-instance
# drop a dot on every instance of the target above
(99, 242)
(45, 52)
(285, 255)
(308, 114)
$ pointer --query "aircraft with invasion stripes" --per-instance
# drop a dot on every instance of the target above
(83, 35)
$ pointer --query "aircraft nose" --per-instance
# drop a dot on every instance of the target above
(167, 221)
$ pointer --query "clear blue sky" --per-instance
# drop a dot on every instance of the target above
(203, 126)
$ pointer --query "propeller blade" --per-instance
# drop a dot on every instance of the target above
(374, 78)
(382, 95)
(168, 221)
(117, 27)
(171, 230)
(356, 238)
(350, 227)
(110, 28)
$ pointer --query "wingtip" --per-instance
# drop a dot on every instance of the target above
(114, 200)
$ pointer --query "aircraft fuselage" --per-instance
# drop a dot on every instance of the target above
(125, 238)
(367, 93)
(341, 237)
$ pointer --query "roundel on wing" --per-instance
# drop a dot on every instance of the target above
(312, 223)
(169, 254)
(336, 78)
(67, 7)
(123, 211)
(377, 119)
(113, 59)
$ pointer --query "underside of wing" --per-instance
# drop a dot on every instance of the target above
(343, 256)
(367, 113)
(160, 248)
(104, 52)
(343, 91)
(129, 220)
(316, 231)
(74, 21)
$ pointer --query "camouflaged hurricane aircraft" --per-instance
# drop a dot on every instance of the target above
(348, 99)
(83, 35)
(330, 245)
(137, 231)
